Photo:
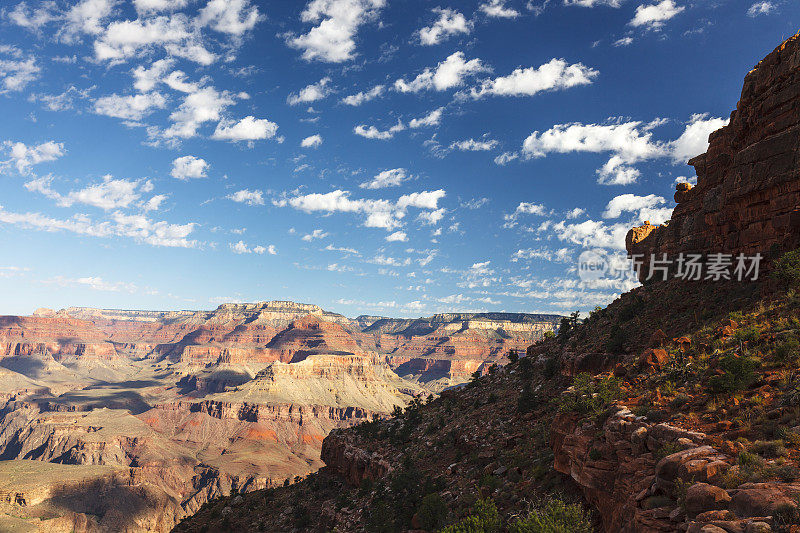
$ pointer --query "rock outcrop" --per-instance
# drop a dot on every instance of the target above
(747, 198)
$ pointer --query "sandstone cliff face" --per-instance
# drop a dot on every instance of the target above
(747, 198)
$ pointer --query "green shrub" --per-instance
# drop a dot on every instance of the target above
(667, 449)
(484, 519)
(616, 340)
(432, 512)
(787, 269)
(513, 356)
(768, 448)
(590, 398)
(748, 334)
(788, 350)
(738, 373)
(555, 516)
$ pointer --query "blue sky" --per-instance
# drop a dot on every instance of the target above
(396, 157)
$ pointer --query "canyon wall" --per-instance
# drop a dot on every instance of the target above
(747, 197)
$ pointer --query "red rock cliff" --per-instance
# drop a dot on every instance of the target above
(747, 198)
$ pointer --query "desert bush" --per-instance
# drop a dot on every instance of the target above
(432, 512)
(787, 269)
(588, 397)
(748, 334)
(513, 356)
(738, 373)
(616, 340)
(667, 449)
(771, 448)
(484, 519)
(788, 350)
(554, 516)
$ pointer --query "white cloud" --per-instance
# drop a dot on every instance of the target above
(653, 16)
(332, 248)
(361, 96)
(644, 207)
(505, 158)
(575, 213)
(694, 139)
(593, 3)
(65, 100)
(450, 22)
(593, 234)
(242, 248)
(197, 108)
(85, 17)
(247, 129)
(316, 234)
(234, 17)
(448, 74)
(498, 9)
(313, 141)
(311, 93)
(189, 166)
(629, 142)
(95, 283)
(137, 227)
(562, 255)
(16, 72)
(762, 8)
(146, 79)
(471, 145)
(148, 7)
(397, 236)
(557, 74)
(332, 40)
(379, 213)
(24, 156)
(371, 132)
(524, 208)
(109, 194)
(125, 39)
(624, 41)
(387, 178)
(246, 196)
(431, 218)
(431, 119)
(131, 107)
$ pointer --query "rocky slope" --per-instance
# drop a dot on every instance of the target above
(676, 408)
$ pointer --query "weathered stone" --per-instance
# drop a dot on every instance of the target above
(702, 497)
(758, 499)
(758, 527)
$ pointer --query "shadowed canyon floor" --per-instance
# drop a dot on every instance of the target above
(118, 420)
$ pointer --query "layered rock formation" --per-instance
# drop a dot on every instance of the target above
(747, 198)
(170, 409)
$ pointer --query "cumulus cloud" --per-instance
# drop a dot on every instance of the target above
(450, 22)
(505, 158)
(555, 75)
(694, 139)
(316, 234)
(371, 132)
(431, 119)
(471, 145)
(84, 17)
(95, 283)
(242, 248)
(130, 107)
(246, 196)
(313, 141)
(234, 17)
(138, 227)
(387, 178)
(450, 73)
(109, 194)
(16, 71)
(524, 208)
(247, 129)
(332, 40)
(397, 236)
(188, 167)
(362, 96)
(593, 3)
(148, 7)
(23, 157)
(379, 213)
(562, 255)
(654, 16)
(198, 107)
(646, 208)
(311, 93)
(498, 9)
(628, 142)
(762, 8)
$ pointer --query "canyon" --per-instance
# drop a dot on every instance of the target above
(126, 420)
